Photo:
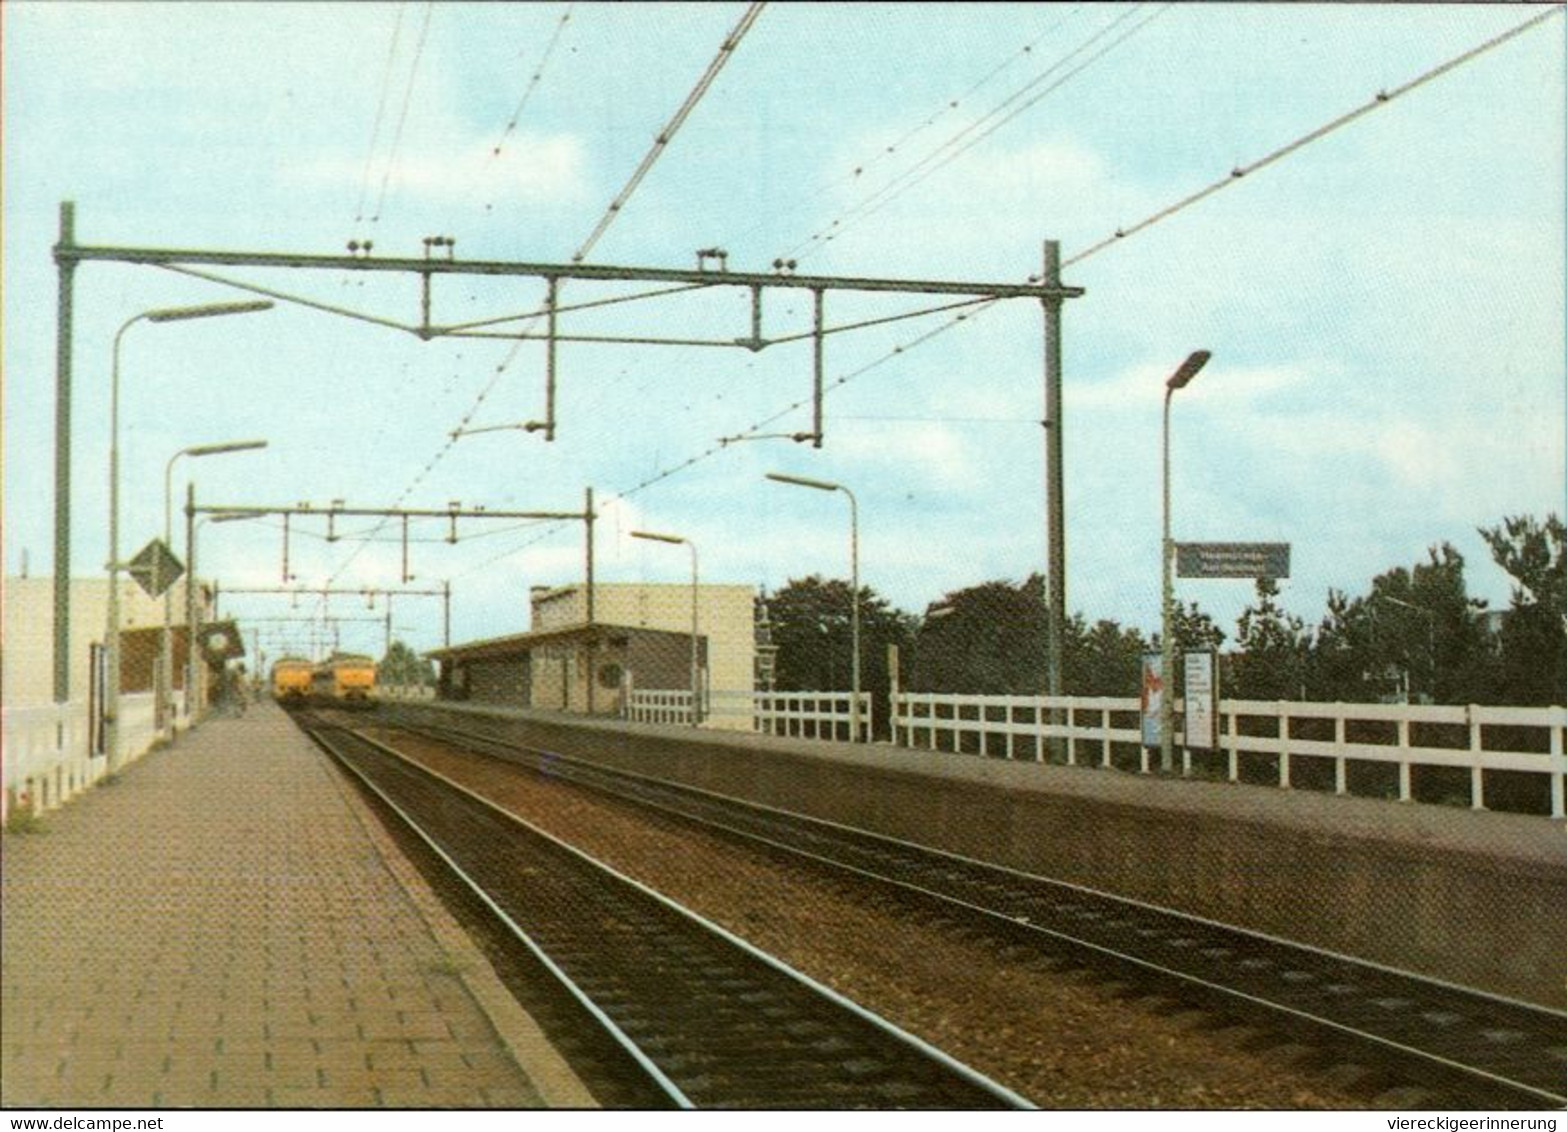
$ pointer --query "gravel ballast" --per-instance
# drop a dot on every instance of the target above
(1047, 1030)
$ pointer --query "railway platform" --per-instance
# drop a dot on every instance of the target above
(225, 925)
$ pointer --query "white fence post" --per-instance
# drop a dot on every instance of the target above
(1284, 745)
(1476, 774)
(1558, 768)
(1234, 737)
(1340, 763)
(1405, 794)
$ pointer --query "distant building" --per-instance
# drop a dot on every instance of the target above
(639, 637)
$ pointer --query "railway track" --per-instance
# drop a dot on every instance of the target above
(1457, 1045)
(708, 1020)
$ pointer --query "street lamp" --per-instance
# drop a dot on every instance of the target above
(1178, 380)
(696, 688)
(112, 631)
(854, 585)
(166, 644)
(1430, 617)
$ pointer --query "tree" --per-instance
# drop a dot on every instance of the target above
(401, 667)
(1271, 663)
(1532, 661)
(811, 620)
(1105, 660)
(1340, 665)
(989, 639)
(1426, 624)
(1193, 628)
(1417, 633)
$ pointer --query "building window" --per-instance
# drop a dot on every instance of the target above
(610, 675)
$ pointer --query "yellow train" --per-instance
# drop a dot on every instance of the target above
(291, 678)
(344, 678)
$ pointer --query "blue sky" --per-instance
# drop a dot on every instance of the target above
(1384, 306)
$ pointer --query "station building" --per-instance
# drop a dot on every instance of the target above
(639, 637)
(27, 647)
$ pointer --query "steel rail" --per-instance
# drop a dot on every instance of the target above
(922, 1049)
(1424, 1055)
(656, 1075)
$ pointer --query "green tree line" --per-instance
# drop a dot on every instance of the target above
(1416, 633)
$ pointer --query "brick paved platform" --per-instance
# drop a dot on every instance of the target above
(226, 926)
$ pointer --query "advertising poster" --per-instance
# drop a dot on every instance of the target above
(1152, 684)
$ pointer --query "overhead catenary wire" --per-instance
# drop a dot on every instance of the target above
(1376, 102)
(949, 106)
(482, 184)
(533, 81)
(667, 134)
(402, 116)
(380, 113)
(955, 146)
(726, 49)
(1382, 98)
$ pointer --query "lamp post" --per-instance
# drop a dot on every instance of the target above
(166, 644)
(854, 585)
(112, 630)
(696, 687)
(192, 607)
(1178, 380)
(1430, 617)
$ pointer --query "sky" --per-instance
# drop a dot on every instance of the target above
(1384, 305)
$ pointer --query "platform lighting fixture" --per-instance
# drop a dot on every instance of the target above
(696, 680)
(854, 585)
(1177, 380)
(114, 566)
(166, 638)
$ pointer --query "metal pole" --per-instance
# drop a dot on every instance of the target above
(166, 637)
(1166, 614)
(696, 677)
(190, 601)
(587, 523)
(112, 628)
(854, 613)
(1177, 380)
(1055, 498)
(62, 460)
(816, 371)
(446, 614)
(552, 295)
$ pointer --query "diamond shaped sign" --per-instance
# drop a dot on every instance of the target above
(155, 568)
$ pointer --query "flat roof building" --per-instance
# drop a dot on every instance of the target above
(639, 638)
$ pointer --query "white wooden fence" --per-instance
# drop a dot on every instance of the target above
(798, 715)
(46, 751)
(1280, 735)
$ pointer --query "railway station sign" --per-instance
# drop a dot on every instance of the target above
(1232, 559)
(155, 568)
